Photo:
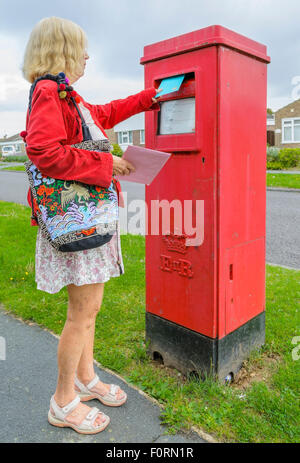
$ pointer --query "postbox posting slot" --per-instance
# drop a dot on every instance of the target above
(177, 109)
(187, 88)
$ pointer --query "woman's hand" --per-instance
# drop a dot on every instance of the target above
(121, 166)
(155, 99)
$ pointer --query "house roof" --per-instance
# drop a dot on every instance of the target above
(286, 106)
(12, 138)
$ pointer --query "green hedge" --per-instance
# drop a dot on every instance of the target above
(289, 157)
(284, 158)
(14, 158)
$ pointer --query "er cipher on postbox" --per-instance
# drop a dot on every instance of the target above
(205, 303)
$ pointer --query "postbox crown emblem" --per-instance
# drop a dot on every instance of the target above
(176, 243)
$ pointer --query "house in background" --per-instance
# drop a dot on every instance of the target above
(287, 126)
(271, 129)
(15, 141)
(129, 132)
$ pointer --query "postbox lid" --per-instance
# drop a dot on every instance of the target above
(206, 37)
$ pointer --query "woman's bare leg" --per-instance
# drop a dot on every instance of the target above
(84, 304)
(85, 369)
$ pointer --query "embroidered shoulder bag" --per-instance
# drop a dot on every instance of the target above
(74, 216)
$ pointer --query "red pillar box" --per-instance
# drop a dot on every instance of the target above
(205, 302)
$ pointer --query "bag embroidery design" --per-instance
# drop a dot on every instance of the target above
(74, 215)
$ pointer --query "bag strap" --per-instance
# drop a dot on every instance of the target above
(85, 130)
(60, 79)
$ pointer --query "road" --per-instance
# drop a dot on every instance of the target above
(282, 221)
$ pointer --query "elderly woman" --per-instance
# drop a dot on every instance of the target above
(58, 45)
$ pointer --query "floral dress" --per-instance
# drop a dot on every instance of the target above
(55, 269)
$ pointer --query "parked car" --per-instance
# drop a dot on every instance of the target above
(8, 150)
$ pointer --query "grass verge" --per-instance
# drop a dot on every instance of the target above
(283, 180)
(261, 406)
(22, 168)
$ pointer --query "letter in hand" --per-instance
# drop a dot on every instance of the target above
(155, 99)
(121, 166)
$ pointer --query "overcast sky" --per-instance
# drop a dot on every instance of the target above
(118, 30)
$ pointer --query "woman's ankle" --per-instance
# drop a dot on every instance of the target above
(85, 377)
(64, 399)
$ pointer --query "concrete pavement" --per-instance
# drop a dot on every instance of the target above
(28, 379)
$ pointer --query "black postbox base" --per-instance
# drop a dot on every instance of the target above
(193, 353)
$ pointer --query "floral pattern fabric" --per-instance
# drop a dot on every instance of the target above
(72, 211)
(55, 269)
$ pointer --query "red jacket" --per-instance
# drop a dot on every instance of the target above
(54, 125)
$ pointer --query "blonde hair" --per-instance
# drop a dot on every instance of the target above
(55, 45)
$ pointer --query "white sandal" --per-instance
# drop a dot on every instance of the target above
(109, 399)
(85, 427)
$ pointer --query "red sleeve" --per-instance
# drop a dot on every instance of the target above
(46, 134)
(116, 111)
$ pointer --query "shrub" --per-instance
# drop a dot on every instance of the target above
(274, 165)
(272, 153)
(289, 157)
(282, 158)
(117, 151)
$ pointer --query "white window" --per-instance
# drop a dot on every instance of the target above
(291, 130)
(125, 138)
(142, 137)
